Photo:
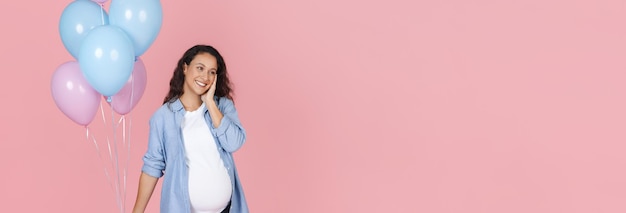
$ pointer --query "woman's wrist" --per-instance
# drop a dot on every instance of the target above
(210, 102)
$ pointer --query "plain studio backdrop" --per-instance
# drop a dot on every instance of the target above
(355, 106)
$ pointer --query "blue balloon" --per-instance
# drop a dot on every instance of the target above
(141, 19)
(106, 59)
(78, 18)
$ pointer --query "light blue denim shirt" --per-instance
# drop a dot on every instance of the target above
(166, 154)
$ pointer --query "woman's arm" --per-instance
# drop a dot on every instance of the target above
(230, 133)
(225, 121)
(154, 164)
(146, 187)
(214, 112)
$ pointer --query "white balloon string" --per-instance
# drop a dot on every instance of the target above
(122, 121)
(102, 12)
(126, 160)
(132, 89)
(106, 173)
(117, 168)
(127, 144)
(95, 143)
(102, 112)
(130, 123)
(110, 153)
(107, 136)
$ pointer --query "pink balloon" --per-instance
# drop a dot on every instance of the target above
(128, 97)
(73, 95)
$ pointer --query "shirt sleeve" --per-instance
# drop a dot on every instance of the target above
(154, 159)
(230, 133)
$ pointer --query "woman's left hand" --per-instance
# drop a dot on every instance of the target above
(211, 92)
(214, 112)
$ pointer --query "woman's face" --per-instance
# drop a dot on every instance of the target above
(199, 74)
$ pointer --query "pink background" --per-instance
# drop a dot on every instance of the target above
(356, 106)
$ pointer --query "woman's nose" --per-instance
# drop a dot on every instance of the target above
(205, 75)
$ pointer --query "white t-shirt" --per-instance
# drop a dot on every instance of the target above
(210, 188)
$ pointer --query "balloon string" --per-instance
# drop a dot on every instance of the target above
(117, 168)
(110, 153)
(95, 143)
(122, 122)
(102, 12)
(130, 124)
(108, 140)
(113, 156)
(102, 112)
(123, 119)
(132, 99)
(132, 91)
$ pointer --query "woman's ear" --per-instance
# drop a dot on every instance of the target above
(184, 68)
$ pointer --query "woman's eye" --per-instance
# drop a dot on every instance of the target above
(200, 68)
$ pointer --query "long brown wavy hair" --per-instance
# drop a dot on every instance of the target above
(223, 87)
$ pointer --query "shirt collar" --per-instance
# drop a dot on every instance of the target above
(177, 105)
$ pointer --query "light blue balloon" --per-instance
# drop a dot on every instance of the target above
(141, 19)
(78, 18)
(106, 59)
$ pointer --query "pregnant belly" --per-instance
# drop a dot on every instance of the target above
(209, 190)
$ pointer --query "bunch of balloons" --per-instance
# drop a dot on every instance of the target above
(107, 49)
